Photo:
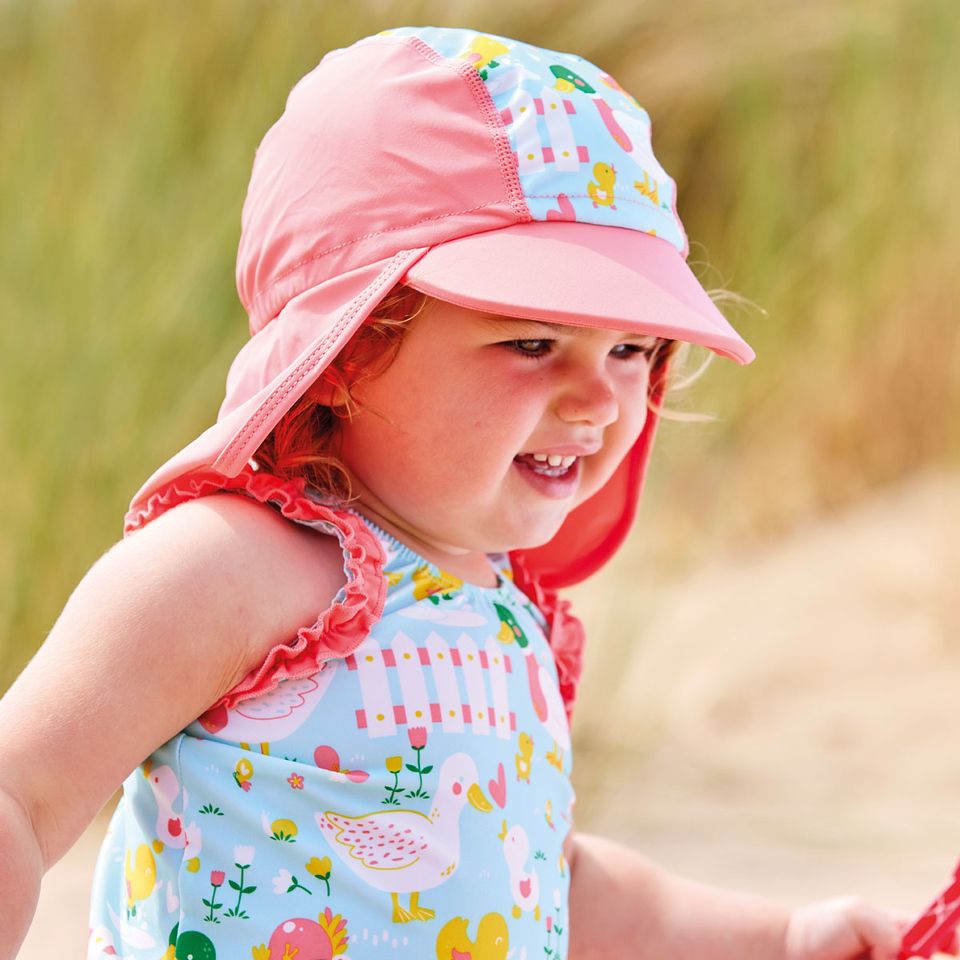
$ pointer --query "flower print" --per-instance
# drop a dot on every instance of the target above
(216, 881)
(295, 781)
(418, 740)
(281, 882)
(549, 922)
(285, 882)
(243, 856)
(557, 904)
(321, 870)
(417, 737)
(394, 764)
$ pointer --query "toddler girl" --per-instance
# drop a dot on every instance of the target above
(333, 628)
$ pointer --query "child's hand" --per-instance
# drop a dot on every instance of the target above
(846, 928)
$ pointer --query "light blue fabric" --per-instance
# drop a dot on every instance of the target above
(217, 848)
(582, 143)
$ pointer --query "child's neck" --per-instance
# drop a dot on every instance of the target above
(474, 567)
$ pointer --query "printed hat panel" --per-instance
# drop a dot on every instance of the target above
(582, 143)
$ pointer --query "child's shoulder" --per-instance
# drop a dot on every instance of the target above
(277, 575)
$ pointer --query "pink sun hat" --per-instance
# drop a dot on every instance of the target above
(483, 171)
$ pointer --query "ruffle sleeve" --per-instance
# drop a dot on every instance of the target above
(566, 634)
(339, 629)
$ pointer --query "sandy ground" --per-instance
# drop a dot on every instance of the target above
(788, 717)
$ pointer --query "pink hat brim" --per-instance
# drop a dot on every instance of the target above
(579, 273)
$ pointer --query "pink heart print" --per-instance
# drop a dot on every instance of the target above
(498, 787)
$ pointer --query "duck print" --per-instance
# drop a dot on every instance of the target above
(405, 851)
(272, 716)
(601, 192)
(524, 756)
(170, 828)
(643, 186)
(492, 943)
(524, 884)
(544, 694)
(140, 876)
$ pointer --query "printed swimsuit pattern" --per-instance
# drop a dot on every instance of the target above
(408, 800)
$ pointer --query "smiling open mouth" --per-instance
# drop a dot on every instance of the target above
(555, 481)
(547, 466)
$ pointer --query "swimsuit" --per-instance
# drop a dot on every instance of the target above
(408, 798)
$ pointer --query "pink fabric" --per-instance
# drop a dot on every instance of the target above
(342, 627)
(637, 282)
(392, 161)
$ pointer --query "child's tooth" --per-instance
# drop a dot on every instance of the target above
(568, 460)
(555, 459)
(542, 457)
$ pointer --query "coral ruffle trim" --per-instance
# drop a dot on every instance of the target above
(566, 634)
(343, 626)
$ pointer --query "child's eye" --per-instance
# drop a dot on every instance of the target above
(630, 349)
(540, 348)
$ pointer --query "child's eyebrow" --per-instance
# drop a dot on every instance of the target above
(511, 323)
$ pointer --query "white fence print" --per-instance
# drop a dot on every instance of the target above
(532, 154)
(470, 682)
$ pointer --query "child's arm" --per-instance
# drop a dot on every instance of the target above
(165, 623)
(623, 905)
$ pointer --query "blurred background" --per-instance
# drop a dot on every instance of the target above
(771, 684)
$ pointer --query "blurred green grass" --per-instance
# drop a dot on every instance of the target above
(815, 146)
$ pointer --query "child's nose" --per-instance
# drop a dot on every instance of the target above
(589, 398)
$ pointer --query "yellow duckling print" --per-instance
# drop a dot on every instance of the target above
(524, 756)
(393, 577)
(601, 191)
(140, 876)
(492, 941)
(433, 587)
(643, 186)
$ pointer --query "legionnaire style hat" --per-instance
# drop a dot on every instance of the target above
(483, 171)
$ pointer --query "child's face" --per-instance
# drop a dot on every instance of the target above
(462, 403)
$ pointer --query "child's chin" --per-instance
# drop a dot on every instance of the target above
(538, 538)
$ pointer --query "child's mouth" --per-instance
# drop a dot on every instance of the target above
(557, 480)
